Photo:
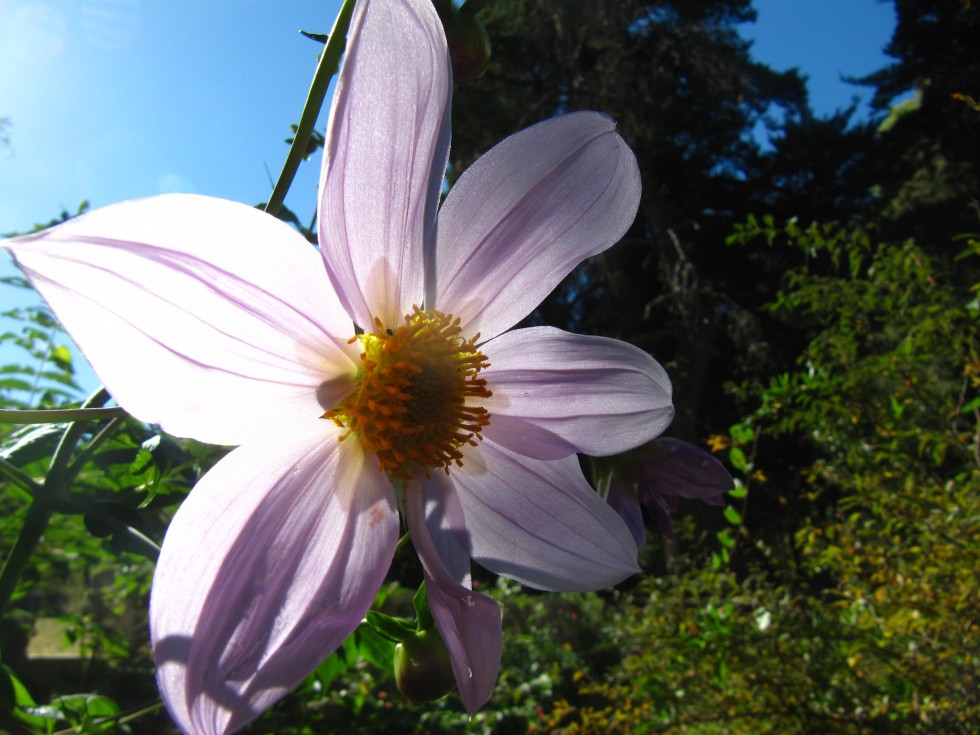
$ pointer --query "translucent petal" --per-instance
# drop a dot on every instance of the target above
(385, 155)
(556, 393)
(468, 622)
(526, 213)
(267, 567)
(209, 318)
(540, 523)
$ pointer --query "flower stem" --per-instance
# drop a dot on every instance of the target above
(18, 478)
(42, 505)
(58, 415)
(36, 521)
(325, 70)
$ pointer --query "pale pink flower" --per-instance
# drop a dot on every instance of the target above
(220, 323)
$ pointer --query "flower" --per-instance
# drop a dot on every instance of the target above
(220, 323)
(656, 475)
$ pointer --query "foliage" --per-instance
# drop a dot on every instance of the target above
(834, 366)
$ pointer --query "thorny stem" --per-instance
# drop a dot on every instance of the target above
(325, 70)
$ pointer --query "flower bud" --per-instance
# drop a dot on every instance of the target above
(423, 671)
(469, 44)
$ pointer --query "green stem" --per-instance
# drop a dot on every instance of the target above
(42, 507)
(86, 454)
(325, 70)
(17, 477)
(62, 454)
(58, 415)
(30, 534)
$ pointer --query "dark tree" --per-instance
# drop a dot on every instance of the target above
(689, 99)
(928, 149)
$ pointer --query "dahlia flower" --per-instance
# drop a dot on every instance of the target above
(371, 380)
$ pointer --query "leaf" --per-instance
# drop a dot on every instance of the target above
(23, 707)
(94, 712)
(375, 648)
(327, 672)
(392, 628)
(738, 459)
(732, 516)
(62, 356)
(31, 443)
(739, 491)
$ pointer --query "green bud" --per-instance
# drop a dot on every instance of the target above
(423, 671)
(469, 44)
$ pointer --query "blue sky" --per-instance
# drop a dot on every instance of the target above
(119, 99)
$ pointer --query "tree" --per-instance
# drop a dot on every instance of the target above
(928, 148)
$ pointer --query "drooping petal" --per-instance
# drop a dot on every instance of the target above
(468, 622)
(447, 526)
(207, 317)
(267, 567)
(526, 213)
(684, 470)
(540, 523)
(623, 500)
(556, 393)
(660, 507)
(386, 150)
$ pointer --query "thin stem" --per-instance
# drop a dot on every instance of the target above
(16, 476)
(86, 454)
(58, 415)
(42, 507)
(36, 521)
(120, 718)
(62, 454)
(143, 543)
(325, 70)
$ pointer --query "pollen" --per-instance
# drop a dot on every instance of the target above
(413, 401)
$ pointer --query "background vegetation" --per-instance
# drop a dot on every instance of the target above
(816, 301)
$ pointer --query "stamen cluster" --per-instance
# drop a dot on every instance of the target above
(410, 402)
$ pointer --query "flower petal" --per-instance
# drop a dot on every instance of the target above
(540, 523)
(207, 317)
(526, 213)
(679, 468)
(447, 526)
(556, 393)
(468, 622)
(267, 567)
(623, 500)
(384, 159)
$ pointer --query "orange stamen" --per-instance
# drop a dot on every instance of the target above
(409, 404)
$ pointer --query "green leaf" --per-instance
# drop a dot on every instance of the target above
(23, 707)
(732, 516)
(327, 672)
(89, 711)
(422, 612)
(374, 648)
(739, 491)
(32, 443)
(737, 457)
(394, 629)
(62, 356)
(725, 538)
(971, 406)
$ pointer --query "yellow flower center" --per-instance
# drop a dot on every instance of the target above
(409, 403)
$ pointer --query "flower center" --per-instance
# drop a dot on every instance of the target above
(409, 403)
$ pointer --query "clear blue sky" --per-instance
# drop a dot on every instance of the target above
(119, 99)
